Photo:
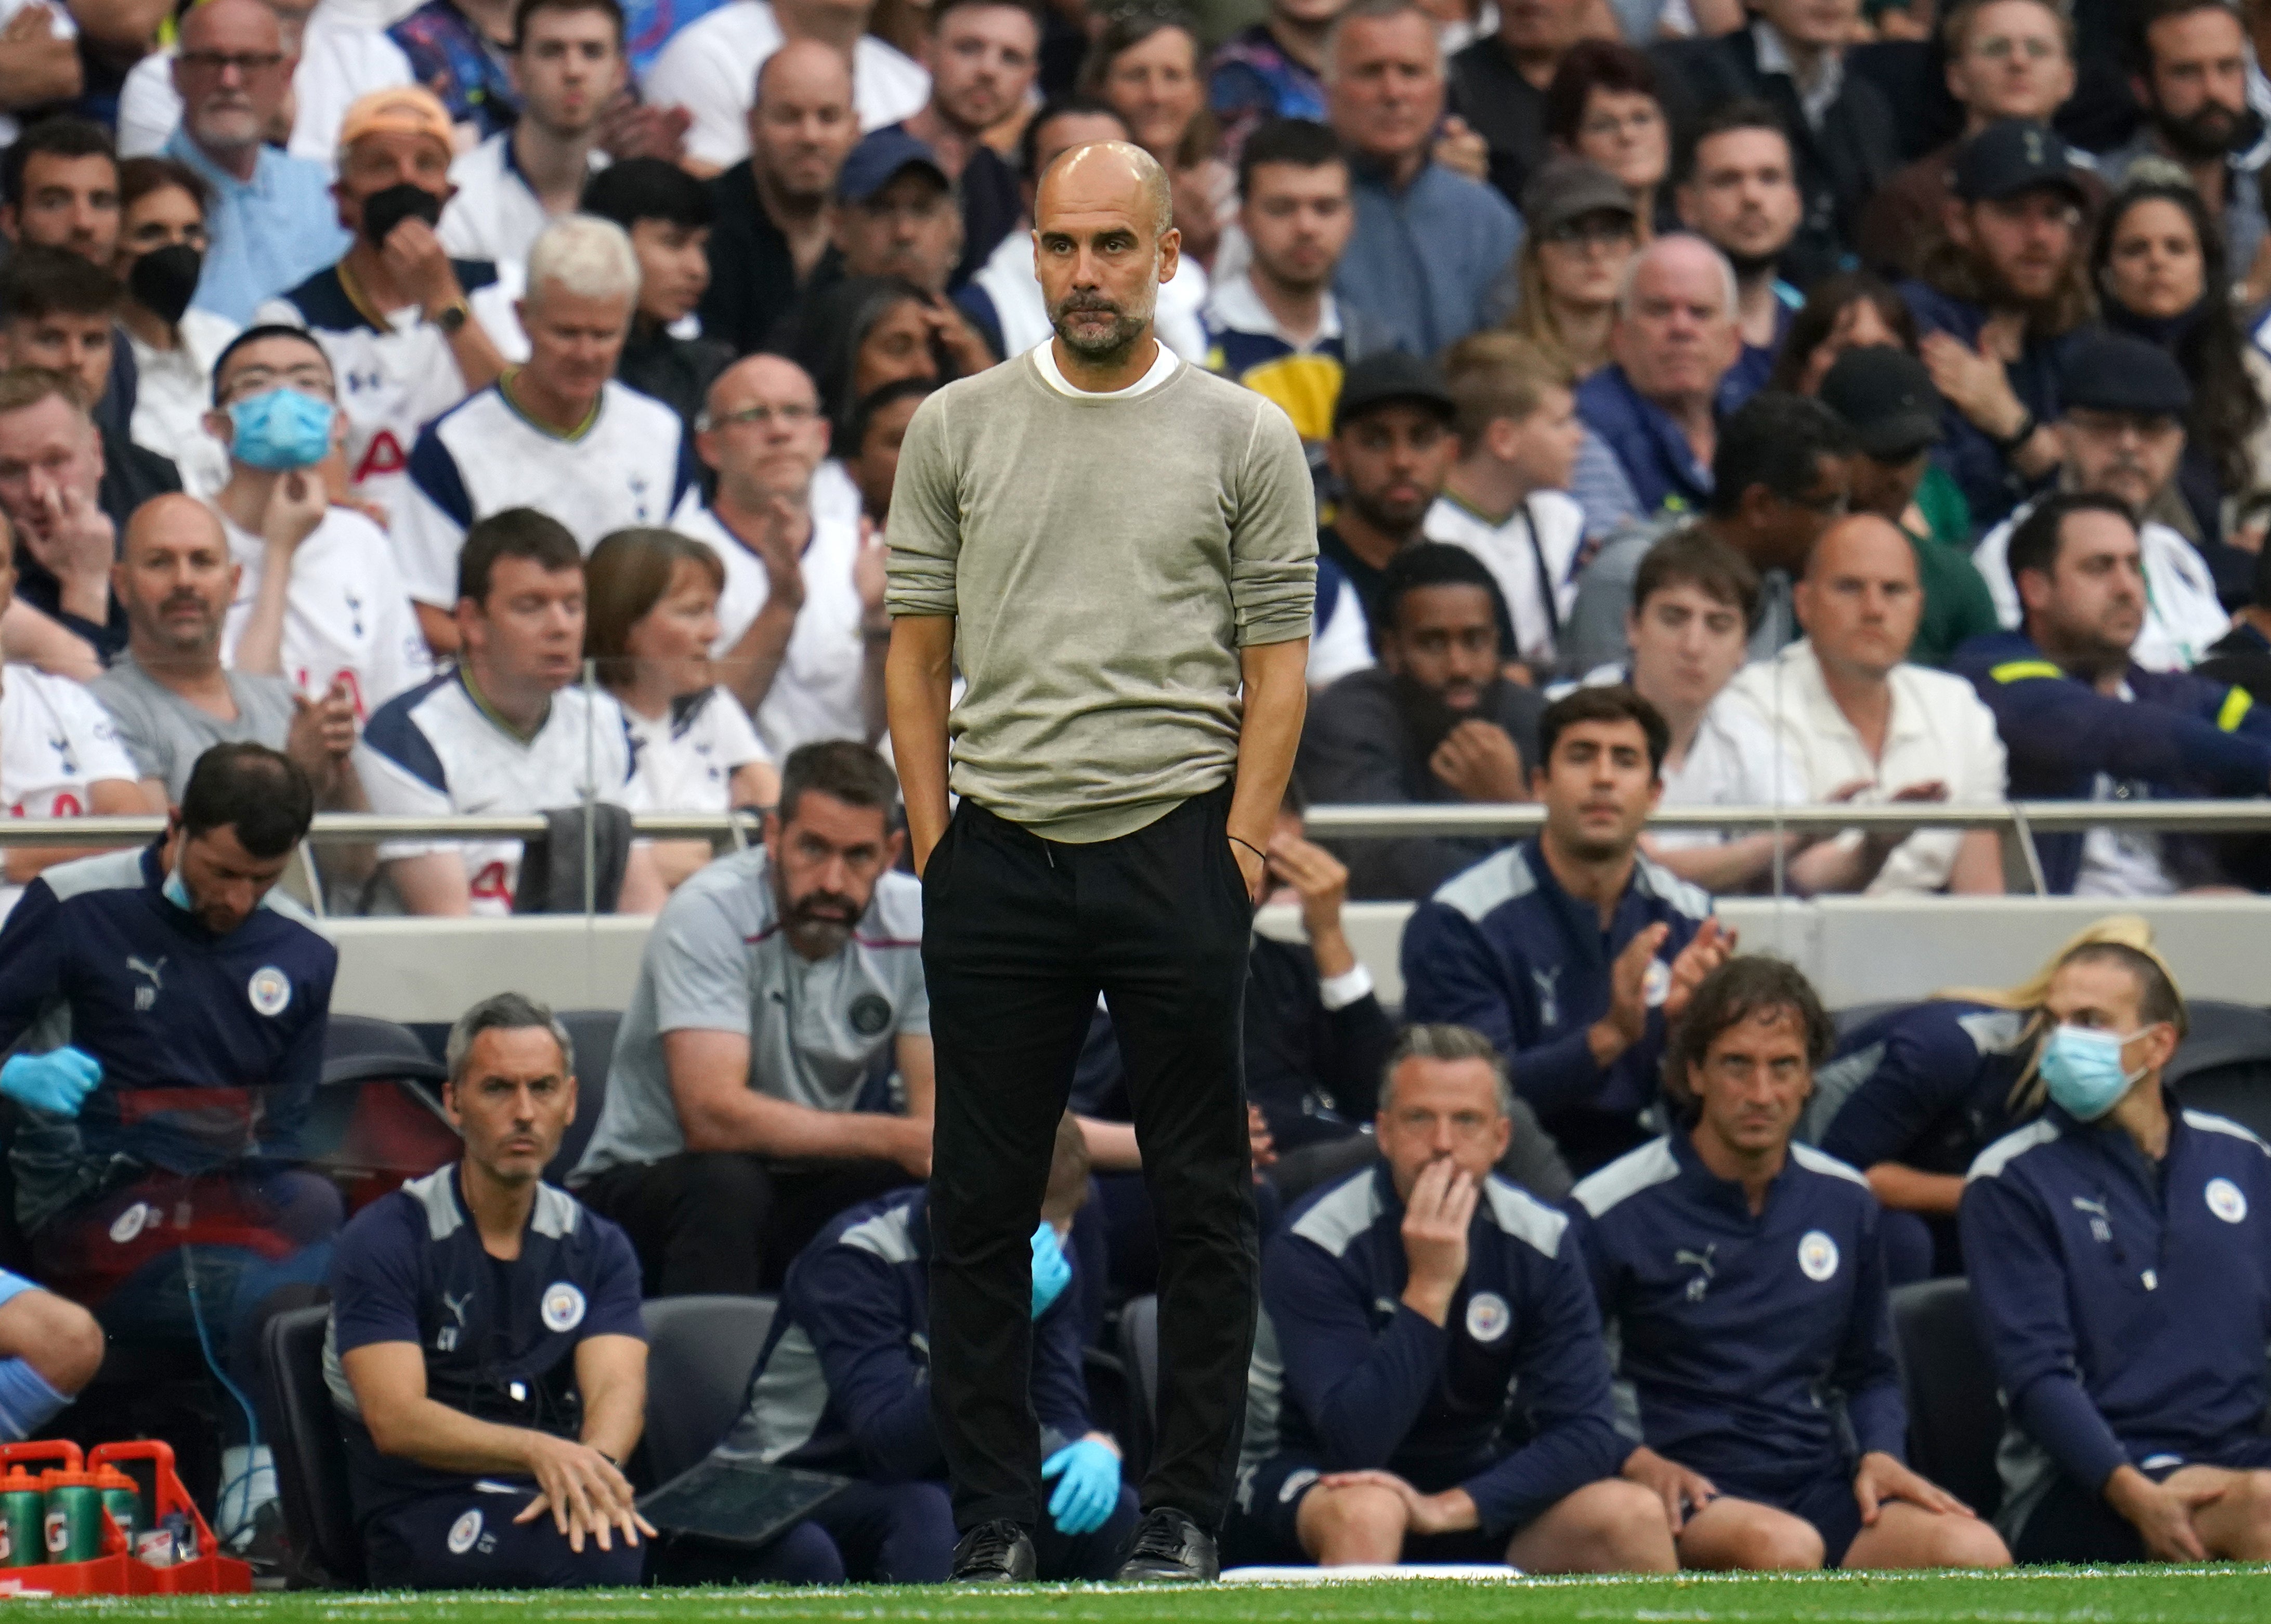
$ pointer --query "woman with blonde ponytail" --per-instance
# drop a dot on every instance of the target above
(1910, 1096)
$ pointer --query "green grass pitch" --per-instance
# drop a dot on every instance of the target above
(2035, 1596)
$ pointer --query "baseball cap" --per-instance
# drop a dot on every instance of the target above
(1390, 376)
(878, 158)
(2015, 155)
(1569, 189)
(2114, 372)
(1886, 397)
(400, 109)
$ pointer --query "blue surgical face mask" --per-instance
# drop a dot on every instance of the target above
(280, 430)
(2081, 1069)
(175, 891)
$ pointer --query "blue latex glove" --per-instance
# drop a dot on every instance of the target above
(57, 1081)
(1052, 1273)
(1089, 1488)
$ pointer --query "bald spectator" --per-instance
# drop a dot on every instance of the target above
(774, 212)
(1432, 249)
(801, 628)
(2005, 59)
(710, 69)
(169, 693)
(271, 224)
(414, 329)
(1868, 727)
(1655, 403)
(984, 55)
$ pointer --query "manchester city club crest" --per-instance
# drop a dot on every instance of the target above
(2226, 1200)
(1817, 1256)
(270, 990)
(871, 1012)
(1656, 986)
(464, 1532)
(1487, 1316)
(563, 1307)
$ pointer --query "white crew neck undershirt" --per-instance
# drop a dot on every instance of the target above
(1163, 367)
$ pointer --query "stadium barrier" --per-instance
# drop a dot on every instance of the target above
(1858, 950)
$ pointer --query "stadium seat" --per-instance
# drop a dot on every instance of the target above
(592, 1031)
(2224, 1066)
(358, 1047)
(1956, 1420)
(311, 1458)
(1846, 1020)
(1139, 1351)
(701, 1352)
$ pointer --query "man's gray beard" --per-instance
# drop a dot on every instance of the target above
(1128, 329)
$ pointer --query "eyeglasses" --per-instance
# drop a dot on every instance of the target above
(2000, 47)
(246, 62)
(1591, 231)
(1606, 126)
(761, 416)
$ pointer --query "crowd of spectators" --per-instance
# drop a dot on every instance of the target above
(443, 411)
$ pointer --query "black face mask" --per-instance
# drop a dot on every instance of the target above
(164, 279)
(383, 210)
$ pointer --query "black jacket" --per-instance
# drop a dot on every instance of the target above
(752, 272)
(1839, 165)
(1365, 743)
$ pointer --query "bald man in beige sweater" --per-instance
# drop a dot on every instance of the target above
(1119, 548)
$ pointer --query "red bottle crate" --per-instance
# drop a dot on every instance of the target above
(117, 1572)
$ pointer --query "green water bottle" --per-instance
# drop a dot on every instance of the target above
(74, 1520)
(121, 1499)
(22, 1521)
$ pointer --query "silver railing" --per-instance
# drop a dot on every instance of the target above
(2023, 820)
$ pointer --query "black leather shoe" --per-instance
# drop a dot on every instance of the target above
(1169, 1548)
(996, 1553)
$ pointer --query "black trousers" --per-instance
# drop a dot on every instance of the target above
(1019, 937)
(723, 1221)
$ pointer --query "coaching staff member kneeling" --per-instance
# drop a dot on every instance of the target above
(1114, 543)
(485, 1354)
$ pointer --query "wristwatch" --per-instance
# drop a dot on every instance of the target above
(451, 316)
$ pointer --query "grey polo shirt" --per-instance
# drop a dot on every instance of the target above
(718, 961)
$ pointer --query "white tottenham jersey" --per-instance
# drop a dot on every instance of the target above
(815, 694)
(346, 615)
(685, 762)
(56, 742)
(710, 68)
(631, 465)
(397, 378)
(1522, 561)
(432, 751)
(496, 215)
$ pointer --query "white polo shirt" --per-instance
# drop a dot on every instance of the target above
(685, 761)
(397, 377)
(2182, 612)
(710, 68)
(346, 615)
(1736, 759)
(432, 751)
(817, 692)
(1940, 731)
(496, 215)
(1532, 555)
(56, 742)
(630, 464)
